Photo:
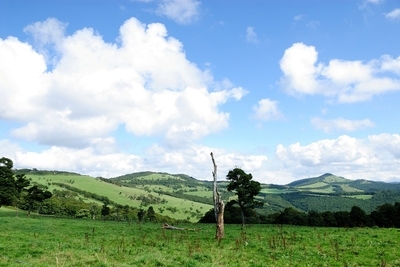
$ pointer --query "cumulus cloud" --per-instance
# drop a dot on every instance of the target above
(181, 11)
(346, 81)
(267, 109)
(100, 159)
(394, 14)
(299, 67)
(143, 83)
(375, 157)
(49, 31)
(341, 124)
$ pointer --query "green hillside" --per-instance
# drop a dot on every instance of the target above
(180, 196)
(142, 195)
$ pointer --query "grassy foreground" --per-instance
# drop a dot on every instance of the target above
(41, 241)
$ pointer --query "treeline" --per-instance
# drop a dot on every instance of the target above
(311, 201)
(42, 172)
(386, 215)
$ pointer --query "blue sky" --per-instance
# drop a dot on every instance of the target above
(282, 89)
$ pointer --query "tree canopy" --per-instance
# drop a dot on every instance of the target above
(10, 185)
(245, 188)
(14, 187)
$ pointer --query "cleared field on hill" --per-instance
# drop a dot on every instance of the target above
(42, 241)
(361, 196)
(349, 189)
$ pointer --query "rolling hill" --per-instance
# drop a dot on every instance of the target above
(183, 197)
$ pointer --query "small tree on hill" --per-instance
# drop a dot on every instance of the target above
(245, 188)
(141, 215)
(36, 194)
(151, 214)
(105, 211)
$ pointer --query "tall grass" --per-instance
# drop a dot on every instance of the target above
(44, 241)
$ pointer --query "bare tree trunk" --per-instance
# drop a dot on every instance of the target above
(219, 206)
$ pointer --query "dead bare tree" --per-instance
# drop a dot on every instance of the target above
(219, 206)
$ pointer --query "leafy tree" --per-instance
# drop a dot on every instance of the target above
(36, 194)
(384, 215)
(342, 218)
(315, 218)
(329, 218)
(105, 211)
(10, 185)
(292, 216)
(94, 209)
(141, 214)
(245, 188)
(358, 216)
(151, 214)
(83, 213)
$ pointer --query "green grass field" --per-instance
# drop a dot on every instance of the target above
(46, 241)
(274, 191)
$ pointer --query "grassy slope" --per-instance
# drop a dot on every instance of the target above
(121, 194)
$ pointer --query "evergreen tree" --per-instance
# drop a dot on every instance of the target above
(245, 188)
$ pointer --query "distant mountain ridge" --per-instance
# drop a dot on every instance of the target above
(329, 179)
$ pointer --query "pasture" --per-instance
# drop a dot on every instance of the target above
(124, 195)
(48, 241)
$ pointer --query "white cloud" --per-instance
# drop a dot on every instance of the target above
(394, 14)
(341, 124)
(181, 11)
(347, 81)
(391, 65)
(313, 25)
(251, 35)
(144, 82)
(298, 65)
(389, 143)
(47, 36)
(49, 31)
(299, 17)
(267, 109)
(20, 97)
(374, 158)
(102, 160)
(365, 3)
